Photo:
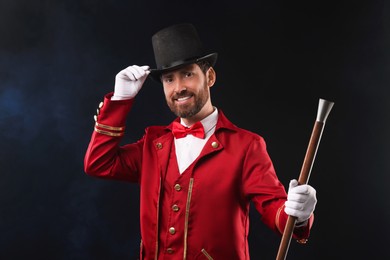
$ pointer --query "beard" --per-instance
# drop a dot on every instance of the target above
(189, 110)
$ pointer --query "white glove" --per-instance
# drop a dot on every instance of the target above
(129, 81)
(301, 201)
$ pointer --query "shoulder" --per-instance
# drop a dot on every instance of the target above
(233, 132)
(225, 123)
(157, 130)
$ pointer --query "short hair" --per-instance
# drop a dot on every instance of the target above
(203, 65)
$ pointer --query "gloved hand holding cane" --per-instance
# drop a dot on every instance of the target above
(301, 201)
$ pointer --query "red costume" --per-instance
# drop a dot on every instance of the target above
(203, 212)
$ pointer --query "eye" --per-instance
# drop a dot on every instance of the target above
(188, 74)
(167, 79)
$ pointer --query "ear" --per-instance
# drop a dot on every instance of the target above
(211, 77)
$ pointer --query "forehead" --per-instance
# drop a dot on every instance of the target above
(181, 69)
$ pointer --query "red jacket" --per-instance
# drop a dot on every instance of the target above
(233, 169)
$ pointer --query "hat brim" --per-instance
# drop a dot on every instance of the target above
(156, 73)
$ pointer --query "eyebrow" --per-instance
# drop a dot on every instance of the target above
(181, 70)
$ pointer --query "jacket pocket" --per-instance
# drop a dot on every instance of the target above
(204, 255)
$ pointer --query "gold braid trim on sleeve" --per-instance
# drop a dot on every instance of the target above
(114, 128)
(277, 219)
(109, 133)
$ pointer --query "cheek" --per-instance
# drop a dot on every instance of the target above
(167, 94)
(166, 91)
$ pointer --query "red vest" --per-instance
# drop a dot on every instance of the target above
(176, 197)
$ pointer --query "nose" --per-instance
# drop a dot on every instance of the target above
(179, 86)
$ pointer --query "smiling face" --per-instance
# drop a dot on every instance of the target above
(187, 92)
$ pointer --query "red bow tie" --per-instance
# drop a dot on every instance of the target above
(180, 130)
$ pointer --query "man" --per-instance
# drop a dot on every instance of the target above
(195, 187)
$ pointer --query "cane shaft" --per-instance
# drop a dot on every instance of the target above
(303, 179)
(311, 152)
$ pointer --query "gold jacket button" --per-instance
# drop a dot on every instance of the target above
(97, 111)
(175, 208)
(177, 187)
(101, 104)
(95, 118)
(302, 241)
(214, 144)
(169, 250)
(172, 230)
(159, 146)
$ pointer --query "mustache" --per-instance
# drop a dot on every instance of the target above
(182, 93)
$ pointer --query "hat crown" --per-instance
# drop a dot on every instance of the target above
(176, 44)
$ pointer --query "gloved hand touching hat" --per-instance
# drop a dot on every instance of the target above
(129, 81)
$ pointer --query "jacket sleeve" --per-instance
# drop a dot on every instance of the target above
(268, 194)
(105, 158)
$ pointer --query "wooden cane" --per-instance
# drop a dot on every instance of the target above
(324, 108)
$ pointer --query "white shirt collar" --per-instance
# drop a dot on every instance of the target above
(208, 122)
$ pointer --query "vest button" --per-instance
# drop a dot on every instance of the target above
(169, 250)
(172, 230)
(159, 146)
(177, 187)
(175, 208)
(214, 144)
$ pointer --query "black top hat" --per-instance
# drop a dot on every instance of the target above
(178, 45)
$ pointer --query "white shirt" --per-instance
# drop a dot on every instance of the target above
(188, 148)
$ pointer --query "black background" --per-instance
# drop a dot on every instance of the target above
(276, 59)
